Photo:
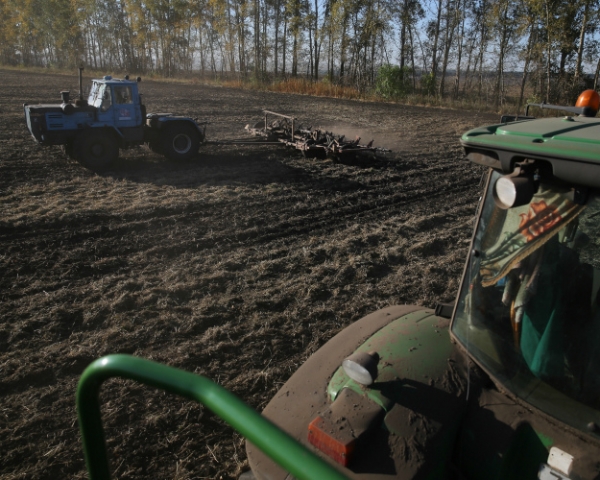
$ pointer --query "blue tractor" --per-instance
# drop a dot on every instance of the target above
(113, 117)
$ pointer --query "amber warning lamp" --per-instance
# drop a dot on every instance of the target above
(589, 100)
(587, 105)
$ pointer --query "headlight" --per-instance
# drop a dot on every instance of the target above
(513, 191)
(361, 367)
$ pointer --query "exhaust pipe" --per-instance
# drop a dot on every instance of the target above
(81, 84)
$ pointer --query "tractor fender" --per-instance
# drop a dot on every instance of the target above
(161, 121)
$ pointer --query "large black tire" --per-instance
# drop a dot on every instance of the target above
(96, 148)
(180, 142)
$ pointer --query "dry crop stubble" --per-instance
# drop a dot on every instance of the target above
(237, 265)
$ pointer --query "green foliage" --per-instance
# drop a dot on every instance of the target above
(258, 40)
(428, 84)
(393, 82)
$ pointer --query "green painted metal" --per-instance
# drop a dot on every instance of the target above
(567, 137)
(415, 347)
(269, 438)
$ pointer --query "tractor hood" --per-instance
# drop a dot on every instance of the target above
(413, 409)
(413, 350)
(44, 108)
(51, 124)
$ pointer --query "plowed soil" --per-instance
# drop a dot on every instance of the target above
(237, 265)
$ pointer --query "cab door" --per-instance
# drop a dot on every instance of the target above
(124, 108)
(101, 98)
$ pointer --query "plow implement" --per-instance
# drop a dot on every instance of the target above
(312, 142)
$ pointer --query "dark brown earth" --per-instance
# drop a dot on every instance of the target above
(237, 265)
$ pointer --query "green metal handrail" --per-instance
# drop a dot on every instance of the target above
(265, 435)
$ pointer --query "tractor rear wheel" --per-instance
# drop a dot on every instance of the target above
(96, 149)
(180, 142)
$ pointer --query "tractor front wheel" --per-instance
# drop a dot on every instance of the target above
(96, 149)
(180, 142)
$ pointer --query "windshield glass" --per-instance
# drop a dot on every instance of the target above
(529, 307)
(93, 93)
(100, 96)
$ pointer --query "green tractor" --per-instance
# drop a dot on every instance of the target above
(503, 384)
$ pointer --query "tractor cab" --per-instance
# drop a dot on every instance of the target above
(117, 102)
(528, 315)
(529, 307)
(528, 311)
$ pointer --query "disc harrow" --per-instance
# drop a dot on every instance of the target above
(312, 142)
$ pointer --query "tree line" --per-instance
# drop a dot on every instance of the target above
(485, 50)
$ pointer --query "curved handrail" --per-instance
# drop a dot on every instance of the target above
(265, 435)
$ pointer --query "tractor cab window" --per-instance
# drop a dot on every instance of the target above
(93, 96)
(123, 95)
(106, 99)
(529, 308)
(93, 92)
(100, 96)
